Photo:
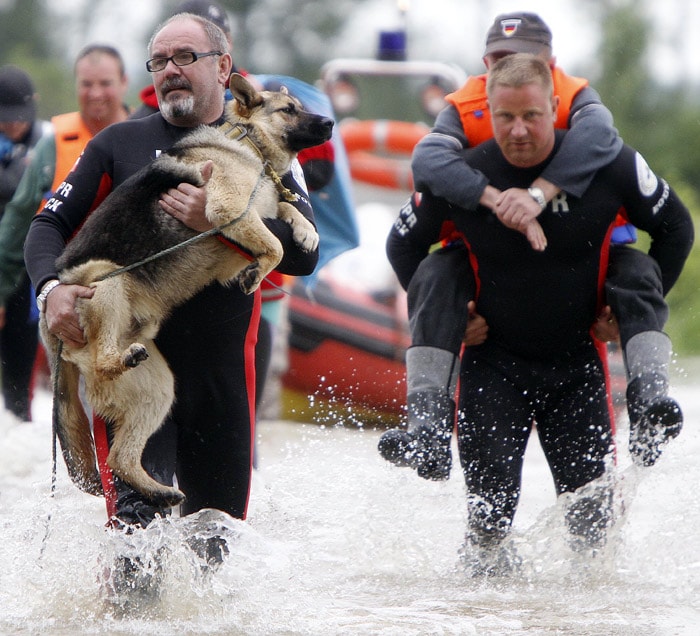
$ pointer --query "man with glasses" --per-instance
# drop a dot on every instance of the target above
(157, 64)
(328, 184)
(208, 342)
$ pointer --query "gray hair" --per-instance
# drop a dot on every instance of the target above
(217, 38)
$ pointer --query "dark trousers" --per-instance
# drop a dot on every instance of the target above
(263, 357)
(634, 291)
(501, 397)
(438, 294)
(207, 439)
(18, 345)
(443, 284)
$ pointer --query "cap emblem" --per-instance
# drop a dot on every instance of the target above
(509, 27)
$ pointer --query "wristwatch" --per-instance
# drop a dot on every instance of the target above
(538, 195)
(45, 291)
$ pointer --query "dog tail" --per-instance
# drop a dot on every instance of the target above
(72, 426)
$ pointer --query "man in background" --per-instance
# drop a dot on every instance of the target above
(101, 86)
(20, 130)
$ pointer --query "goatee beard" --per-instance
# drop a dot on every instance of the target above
(182, 108)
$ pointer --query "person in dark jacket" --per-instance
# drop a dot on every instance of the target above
(206, 441)
(540, 364)
(20, 130)
(101, 85)
(437, 307)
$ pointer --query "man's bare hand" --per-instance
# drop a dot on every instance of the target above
(606, 328)
(187, 202)
(516, 209)
(61, 316)
(536, 237)
(477, 329)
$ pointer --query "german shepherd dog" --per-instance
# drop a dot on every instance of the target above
(127, 380)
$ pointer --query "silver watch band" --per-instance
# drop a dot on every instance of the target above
(45, 291)
(538, 195)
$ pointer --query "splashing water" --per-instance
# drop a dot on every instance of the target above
(340, 542)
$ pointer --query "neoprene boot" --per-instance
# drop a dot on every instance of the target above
(207, 532)
(426, 443)
(655, 418)
(588, 518)
(488, 551)
(431, 380)
(486, 557)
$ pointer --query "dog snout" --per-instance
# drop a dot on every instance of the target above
(315, 130)
(324, 127)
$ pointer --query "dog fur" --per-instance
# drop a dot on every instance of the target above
(127, 380)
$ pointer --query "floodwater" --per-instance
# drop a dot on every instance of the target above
(340, 542)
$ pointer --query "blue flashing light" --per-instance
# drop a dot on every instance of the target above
(392, 45)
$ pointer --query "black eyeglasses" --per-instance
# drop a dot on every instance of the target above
(185, 58)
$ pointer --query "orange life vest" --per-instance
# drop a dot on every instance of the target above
(71, 135)
(472, 105)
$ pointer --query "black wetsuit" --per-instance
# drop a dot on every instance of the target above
(208, 342)
(539, 362)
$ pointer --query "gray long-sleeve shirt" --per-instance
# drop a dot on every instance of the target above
(591, 143)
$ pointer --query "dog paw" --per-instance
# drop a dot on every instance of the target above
(305, 239)
(166, 497)
(249, 279)
(135, 355)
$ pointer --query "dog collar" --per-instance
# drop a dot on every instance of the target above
(238, 132)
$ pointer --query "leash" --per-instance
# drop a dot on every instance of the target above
(54, 446)
(189, 241)
(228, 129)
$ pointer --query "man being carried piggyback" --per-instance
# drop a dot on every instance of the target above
(437, 299)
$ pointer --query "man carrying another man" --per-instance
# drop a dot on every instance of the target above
(634, 286)
(539, 363)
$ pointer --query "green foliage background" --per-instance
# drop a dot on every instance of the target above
(664, 125)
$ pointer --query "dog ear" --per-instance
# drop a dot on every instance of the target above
(244, 93)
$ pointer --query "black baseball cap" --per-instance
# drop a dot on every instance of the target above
(17, 101)
(210, 10)
(519, 33)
